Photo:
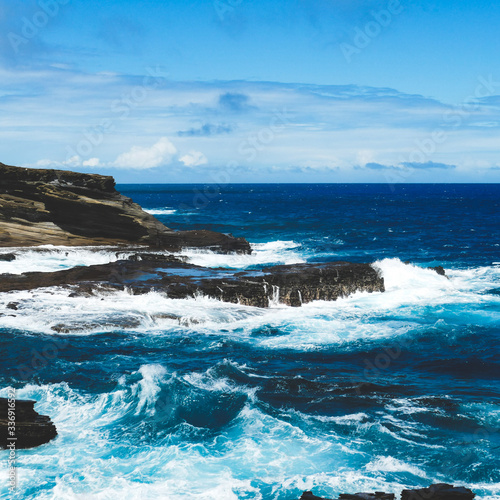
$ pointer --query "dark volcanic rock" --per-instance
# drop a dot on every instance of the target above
(7, 257)
(40, 207)
(379, 495)
(435, 492)
(291, 285)
(439, 269)
(439, 491)
(302, 283)
(308, 495)
(31, 429)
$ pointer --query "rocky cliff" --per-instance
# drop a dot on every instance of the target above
(57, 207)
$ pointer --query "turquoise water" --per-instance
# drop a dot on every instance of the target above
(160, 398)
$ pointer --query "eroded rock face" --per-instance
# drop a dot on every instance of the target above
(57, 207)
(292, 285)
(31, 428)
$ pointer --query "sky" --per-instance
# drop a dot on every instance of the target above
(253, 91)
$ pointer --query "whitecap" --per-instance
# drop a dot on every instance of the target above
(270, 253)
(391, 464)
(160, 211)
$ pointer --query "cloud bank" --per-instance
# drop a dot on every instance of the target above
(256, 130)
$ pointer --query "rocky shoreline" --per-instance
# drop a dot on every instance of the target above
(55, 207)
(52, 207)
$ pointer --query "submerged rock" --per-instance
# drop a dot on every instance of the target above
(31, 428)
(292, 285)
(7, 257)
(57, 207)
(119, 323)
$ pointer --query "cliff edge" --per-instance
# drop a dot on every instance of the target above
(58, 207)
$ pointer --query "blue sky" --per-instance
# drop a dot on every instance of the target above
(253, 91)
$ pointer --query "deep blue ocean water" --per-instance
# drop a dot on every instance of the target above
(373, 392)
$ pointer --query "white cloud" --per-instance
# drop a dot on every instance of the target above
(194, 159)
(43, 163)
(91, 162)
(74, 161)
(140, 157)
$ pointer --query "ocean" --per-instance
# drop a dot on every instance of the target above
(374, 392)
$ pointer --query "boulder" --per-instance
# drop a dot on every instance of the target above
(31, 428)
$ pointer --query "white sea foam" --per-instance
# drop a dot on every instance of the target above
(150, 386)
(49, 258)
(160, 211)
(417, 283)
(477, 279)
(391, 464)
(348, 420)
(272, 253)
(45, 310)
(316, 324)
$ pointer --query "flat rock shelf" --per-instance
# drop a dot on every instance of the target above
(291, 285)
